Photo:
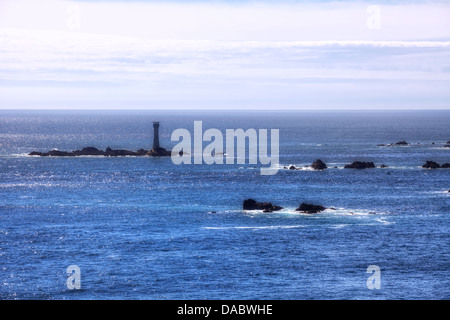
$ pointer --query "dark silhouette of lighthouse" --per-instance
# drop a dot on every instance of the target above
(156, 135)
(157, 151)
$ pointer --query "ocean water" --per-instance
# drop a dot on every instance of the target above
(145, 228)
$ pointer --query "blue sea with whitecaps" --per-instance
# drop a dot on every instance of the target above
(145, 228)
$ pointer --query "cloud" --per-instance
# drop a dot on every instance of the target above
(202, 55)
(233, 20)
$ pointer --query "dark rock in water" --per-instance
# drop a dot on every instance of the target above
(292, 168)
(57, 153)
(310, 208)
(383, 166)
(88, 151)
(122, 153)
(251, 204)
(360, 165)
(400, 143)
(319, 165)
(435, 165)
(91, 151)
(52, 153)
(447, 146)
(431, 165)
(159, 152)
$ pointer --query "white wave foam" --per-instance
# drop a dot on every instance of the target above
(34, 184)
(260, 227)
(438, 192)
(21, 155)
(327, 212)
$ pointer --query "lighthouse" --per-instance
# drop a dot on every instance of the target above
(157, 151)
(156, 135)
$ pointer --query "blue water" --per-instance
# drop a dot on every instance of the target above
(144, 228)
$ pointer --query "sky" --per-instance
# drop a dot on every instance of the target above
(252, 55)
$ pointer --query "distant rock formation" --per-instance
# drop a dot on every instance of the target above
(251, 204)
(292, 167)
(360, 165)
(400, 143)
(434, 165)
(383, 166)
(310, 208)
(91, 151)
(319, 165)
(159, 152)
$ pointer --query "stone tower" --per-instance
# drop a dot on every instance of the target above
(156, 135)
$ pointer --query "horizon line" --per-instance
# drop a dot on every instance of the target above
(212, 110)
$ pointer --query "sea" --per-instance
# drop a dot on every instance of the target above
(144, 228)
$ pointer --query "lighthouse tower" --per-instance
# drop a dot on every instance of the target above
(156, 135)
(157, 151)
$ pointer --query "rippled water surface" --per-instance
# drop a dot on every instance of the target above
(145, 228)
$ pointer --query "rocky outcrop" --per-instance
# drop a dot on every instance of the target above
(52, 153)
(319, 165)
(292, 167)
(400, 143)
(383, 166)
(435, 165)
(159, 152)
(251, 204)
(91, 151)
(310, 208)
(360, 165)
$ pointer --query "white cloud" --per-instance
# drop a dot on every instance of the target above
(252, 20)
(199, 55)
